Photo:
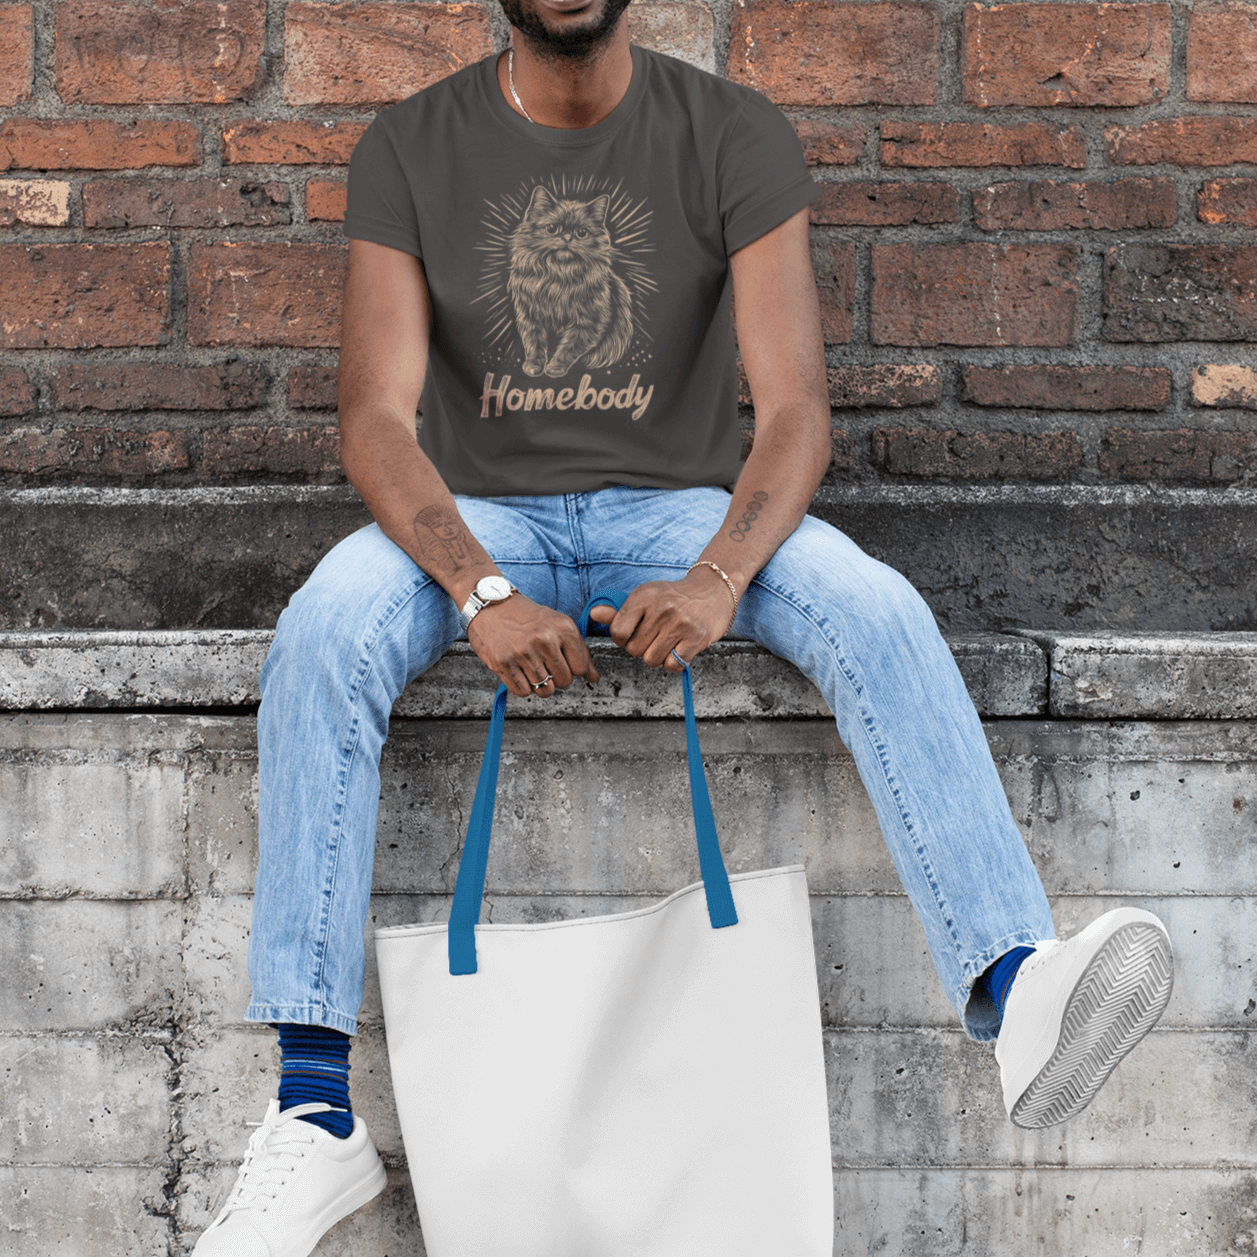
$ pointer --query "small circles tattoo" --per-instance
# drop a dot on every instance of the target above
(749, 516)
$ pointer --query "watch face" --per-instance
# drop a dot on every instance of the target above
(493, 589)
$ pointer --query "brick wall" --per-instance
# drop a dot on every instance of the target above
(1035, 245)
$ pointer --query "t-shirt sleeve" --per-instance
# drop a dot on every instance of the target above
(762, 175)
(381, 207)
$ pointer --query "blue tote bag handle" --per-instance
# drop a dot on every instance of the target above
(472, 868)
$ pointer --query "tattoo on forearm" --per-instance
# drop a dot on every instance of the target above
(749, 516)
(440, 531)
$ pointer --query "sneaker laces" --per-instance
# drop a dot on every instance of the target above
(275, 1151)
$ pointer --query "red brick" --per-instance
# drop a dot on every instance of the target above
(889, 384)
(886, 204)
(1066, 54)
(1044, 387)
(1054, 205)
(373, 54)
(17, 392)
(974, 294)
(158, 386)
(1183, 455)
(94, 452)
(841, 451)
(75, 296)
(17, 53)
(312, 388)
(1229, 201)
(1198, 141)
(29, 144)
(982, 144)
(35, 202)
(1178, 292)
(325, 200)
(110, 52)
(1222, 53)
(292, 143)
(1225, 384)
(827, 145)
(925, 453)
(819, 53)
(833, 262)
(184, 203)
(265, 294)
(308, 453)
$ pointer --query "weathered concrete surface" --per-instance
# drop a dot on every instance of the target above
(1085, 1211)
(107, 1211)
(1152, 676)
(197, 558)
(42, 671)
(126, 899)
(924, 1097)
(1163, 809)
(986, 559)
(1169, 1212)
(1072, 559)
(118, 1112)
(84, 964)
(872, 964)
(89, 823)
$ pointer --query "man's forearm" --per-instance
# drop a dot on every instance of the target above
(411, 503)
(773, 493)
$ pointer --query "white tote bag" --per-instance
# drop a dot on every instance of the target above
(647, 1084)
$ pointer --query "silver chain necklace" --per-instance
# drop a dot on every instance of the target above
(510, 78)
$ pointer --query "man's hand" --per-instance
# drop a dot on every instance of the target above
(661, 616)
(524, 642)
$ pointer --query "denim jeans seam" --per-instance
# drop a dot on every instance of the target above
(348, 750)
(869, 726)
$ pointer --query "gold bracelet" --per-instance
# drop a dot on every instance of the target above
(724, 576)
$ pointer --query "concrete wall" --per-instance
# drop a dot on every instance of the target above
(126, 862)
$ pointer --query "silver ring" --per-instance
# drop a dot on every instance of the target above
(543, 683)
(679, 659)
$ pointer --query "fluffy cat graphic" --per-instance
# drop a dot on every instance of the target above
(563, 287)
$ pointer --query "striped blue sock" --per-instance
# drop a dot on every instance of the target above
(314, 1067)
(999, 977)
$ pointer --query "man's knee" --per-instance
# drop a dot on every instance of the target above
(359, 596)
(851, 587)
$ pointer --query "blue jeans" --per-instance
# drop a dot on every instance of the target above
(368, 621)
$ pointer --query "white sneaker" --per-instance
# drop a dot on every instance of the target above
(1078, 1007)
(296, 1182)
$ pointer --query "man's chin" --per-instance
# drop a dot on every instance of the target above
(594, 24)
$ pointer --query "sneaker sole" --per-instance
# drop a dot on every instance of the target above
(1120, 996)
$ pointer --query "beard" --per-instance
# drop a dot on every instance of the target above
(572, 43)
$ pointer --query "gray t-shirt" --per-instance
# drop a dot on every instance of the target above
(579, 279)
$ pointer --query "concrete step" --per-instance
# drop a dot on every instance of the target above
(1094, 676)
(1069, 559)
(100, 670)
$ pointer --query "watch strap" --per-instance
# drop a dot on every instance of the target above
(475, 604)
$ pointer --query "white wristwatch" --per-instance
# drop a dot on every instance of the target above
(488, 589)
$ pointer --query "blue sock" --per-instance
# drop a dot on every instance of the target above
(999, 977)
(314, 1068)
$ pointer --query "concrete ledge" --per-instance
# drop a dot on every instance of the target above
(1095, 676)
(1006, 676)
(1152, 676)
(986, 559)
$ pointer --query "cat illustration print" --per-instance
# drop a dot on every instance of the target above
(570, 306)
(564, 276)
